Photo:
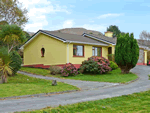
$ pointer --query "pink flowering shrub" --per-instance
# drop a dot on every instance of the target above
(69, 70)
(95, 65)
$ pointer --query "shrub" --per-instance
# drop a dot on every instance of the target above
(95, 65)
(147, 62)
(113, 65)
(55, 70)
(126, 52)
(69, 70)
(16, 61)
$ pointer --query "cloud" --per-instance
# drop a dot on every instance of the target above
(109, 15)
(68, 24)
(101, 28)
(38, 11)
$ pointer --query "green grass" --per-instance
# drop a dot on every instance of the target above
(35, 71)
(134, 103)
(24, 85)
(114, 76)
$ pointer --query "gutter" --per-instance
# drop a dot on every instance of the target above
(85, 43)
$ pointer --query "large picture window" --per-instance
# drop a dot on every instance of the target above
(97, 51)
(78, 50)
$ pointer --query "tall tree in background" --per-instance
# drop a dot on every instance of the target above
(145, 37)
(12, 13)
(12, 36)
(114, 29)
(126, 52)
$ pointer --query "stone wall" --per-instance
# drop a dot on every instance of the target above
(141, 56)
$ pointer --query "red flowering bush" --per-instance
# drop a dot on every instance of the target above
(69, 70)
(95, 65)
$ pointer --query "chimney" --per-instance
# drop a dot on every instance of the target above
(109, 34)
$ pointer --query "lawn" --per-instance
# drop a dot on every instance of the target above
(24, 85)
(114, 76)
(37, 71)
(134, 103)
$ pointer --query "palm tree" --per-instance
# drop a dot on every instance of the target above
(5, 69)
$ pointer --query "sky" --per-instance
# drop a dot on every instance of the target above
(131, 16)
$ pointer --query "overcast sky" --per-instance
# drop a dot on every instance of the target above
(129, 15)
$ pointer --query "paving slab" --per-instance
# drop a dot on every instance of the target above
(24, 104)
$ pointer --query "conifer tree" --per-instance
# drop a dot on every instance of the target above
(126, 52)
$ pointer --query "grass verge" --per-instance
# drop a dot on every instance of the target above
(114, 76)
(37, 71)
(134, 103)
(24, 85)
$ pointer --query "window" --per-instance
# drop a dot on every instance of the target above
(42, 52)
(97, 51)
(78, 50)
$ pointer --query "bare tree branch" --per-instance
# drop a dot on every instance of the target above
(145, 36)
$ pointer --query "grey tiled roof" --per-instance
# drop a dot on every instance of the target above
(102, 37)
(73, 37)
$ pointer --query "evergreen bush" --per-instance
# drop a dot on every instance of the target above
(16, 61)
(126, 52)
(113, 65)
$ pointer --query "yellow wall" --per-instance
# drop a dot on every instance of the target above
(145, 56)
(113, 49)
(109, 34)
(55, 51)
(87, 51)
(105, 52)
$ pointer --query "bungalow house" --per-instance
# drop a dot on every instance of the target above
(47, 48)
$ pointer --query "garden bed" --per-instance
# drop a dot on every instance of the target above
(114, 76)
(24, 85)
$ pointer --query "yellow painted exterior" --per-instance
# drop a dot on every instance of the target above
(109, 34)
(113, 49)
(145, 52)
(87, 53)
(55, 51)
(105, 52)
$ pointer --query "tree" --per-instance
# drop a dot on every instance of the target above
(3, 23)
(5, 69)
(12, 36)
(145, 37)
(126, 52)
(12, 13)
(114, 29)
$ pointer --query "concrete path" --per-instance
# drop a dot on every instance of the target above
(143, 84)
(83, 85)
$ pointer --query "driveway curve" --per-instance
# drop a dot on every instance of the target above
(24, 104)
(83, 85)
